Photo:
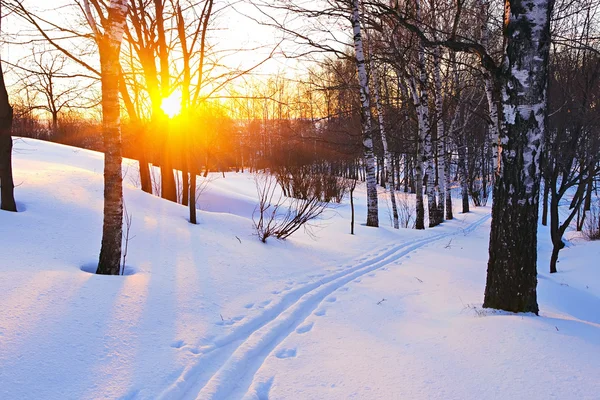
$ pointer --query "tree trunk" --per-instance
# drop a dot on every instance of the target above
(168, 188)
(440, 138)
(7, 186)
(112, 229)
(512, 266)
(462, 169)
(185, 187)
(447, 175)
(545, 202)
(352, 208)
(388, 173)
(372, 206)
(192, 202)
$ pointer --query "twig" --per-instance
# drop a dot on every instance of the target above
(380, 301)
(128, 219)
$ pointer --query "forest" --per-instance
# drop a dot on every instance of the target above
(385, 117)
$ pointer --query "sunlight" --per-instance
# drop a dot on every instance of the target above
(172, 105)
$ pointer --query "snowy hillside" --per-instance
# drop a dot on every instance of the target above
(210, 312)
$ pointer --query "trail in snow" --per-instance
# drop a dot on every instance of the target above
(261, 335)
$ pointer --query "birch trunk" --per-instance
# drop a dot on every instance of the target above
(512, 275)
(372, 206)
(441, 135)
(463, 173)
(447, 176)
(425, 129)
(420, 212)
(490, 91)
(387, 171)
(109, 45)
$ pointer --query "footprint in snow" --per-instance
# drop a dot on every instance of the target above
(344, 289)
(249, 305)
(177, 344)
(275, 292)
(371, 275)
(320, 313)
(229, 322)
(286, 353)
(305, 328)
(331, 299)
(358, 280)
(193, 350)
(265, 303)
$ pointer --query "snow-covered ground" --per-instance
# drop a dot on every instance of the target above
(209, 312)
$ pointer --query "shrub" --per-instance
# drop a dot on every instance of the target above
(275, 216)
(302, 182)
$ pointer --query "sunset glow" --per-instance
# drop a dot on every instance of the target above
(171, 105)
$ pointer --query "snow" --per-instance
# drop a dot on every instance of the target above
(210, 312)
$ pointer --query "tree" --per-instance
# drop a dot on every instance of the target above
(47, 69)
(7, 196)
(512, 266)
(366, 118)
(521, 80)
(109, 46)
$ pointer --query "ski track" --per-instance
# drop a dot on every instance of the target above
(260, 335)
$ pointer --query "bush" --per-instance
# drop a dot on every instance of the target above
(406, 211)
(280, 218)
(302, 183)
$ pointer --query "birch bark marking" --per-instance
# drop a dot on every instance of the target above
(109, 44)
(493, 123)
(420, 211)
(372, 207)
(512, 275)
(441, 135)
(387, 172)
(425, 128)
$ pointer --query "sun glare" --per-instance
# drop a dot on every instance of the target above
(171, 105)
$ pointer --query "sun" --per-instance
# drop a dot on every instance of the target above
(171, 105)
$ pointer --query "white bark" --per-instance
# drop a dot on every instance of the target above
(387, 155)
(424, 127)
(441, 135)
(109, 44)
(419, 164)
(493, 125)
(371, 179)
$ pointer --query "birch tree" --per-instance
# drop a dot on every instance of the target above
(366, 118)
(108, 38)
(388, 172)
(522, 79)
(512, 266)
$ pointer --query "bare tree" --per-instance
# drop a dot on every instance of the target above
(109, 36)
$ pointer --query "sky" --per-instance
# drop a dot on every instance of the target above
(235, 32)
(236, 27)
